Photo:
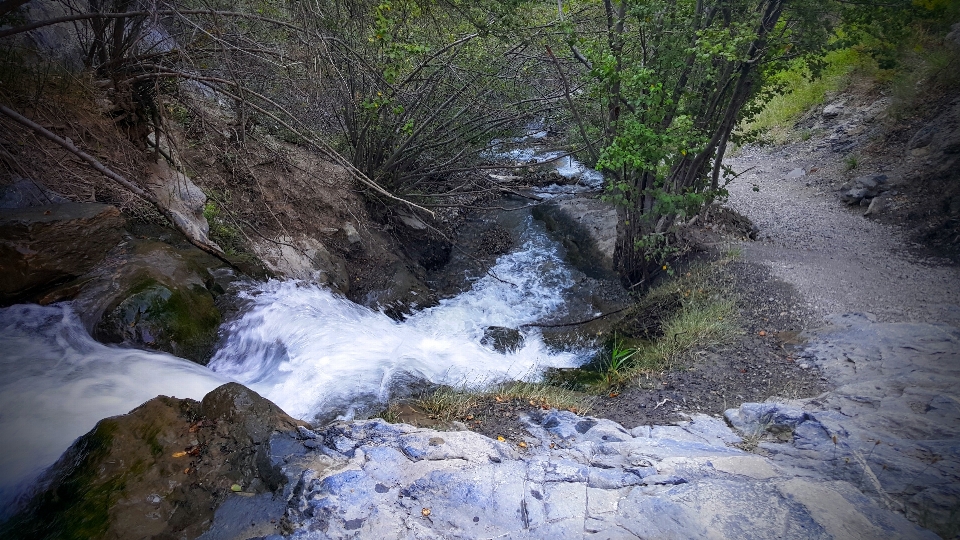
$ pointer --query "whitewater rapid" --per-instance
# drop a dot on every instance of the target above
(312, 351)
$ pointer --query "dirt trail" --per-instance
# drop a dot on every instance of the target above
(838, 260)
(888, 343)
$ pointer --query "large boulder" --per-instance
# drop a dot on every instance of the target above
(158, 471)
(41, 246)
(587, 228)
(152, 295)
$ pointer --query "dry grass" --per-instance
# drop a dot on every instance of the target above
(447, 403)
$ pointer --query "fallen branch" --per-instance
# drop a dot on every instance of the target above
(207, 246)
(538, 325)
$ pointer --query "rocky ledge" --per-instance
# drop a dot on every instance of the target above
(573, 477)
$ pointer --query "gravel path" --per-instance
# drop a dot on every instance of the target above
(839, 260)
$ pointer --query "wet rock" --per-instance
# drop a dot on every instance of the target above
(160, 470)
(182, 320)
(153, 295)
(41, 246)
(502, 340)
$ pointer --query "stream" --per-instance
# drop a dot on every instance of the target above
(312, 352)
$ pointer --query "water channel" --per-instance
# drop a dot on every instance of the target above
(311, 351)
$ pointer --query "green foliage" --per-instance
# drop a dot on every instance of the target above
(423, 87)
(802, 89)
(620, 355)
(666, 84)
(223, 232)
(851, 162)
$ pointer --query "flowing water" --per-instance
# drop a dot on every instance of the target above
(58, 383)
(311, 351)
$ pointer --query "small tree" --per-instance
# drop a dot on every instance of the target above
(670, 79)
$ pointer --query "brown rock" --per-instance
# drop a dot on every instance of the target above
(159, 471)
(44, 245)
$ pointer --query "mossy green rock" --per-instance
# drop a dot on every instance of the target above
(182, 321)
(154, 295)
(159, 471)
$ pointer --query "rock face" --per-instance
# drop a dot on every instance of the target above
(891, 428)
(576, 478)
(158, 471)
(304, 258)
(44, 245)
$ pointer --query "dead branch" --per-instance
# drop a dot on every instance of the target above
(208, 246)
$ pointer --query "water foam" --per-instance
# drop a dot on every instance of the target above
(312, 351)
(56, 383)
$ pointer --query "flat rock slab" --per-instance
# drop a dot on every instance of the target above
(891, 427)
(577, 478)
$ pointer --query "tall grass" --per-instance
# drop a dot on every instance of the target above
(803, 92)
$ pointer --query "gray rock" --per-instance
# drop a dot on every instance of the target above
(877, 205)
(353, 237)
(501, 339)
(306, 433)
(854, 196)
(303, 257)
(755, 418)
(953, 37)
(184, 199)
(796, 173)
(681, 481)
(923, 137)
(833, 110)
(44, 245)
(870, 182)
(891, 413)
(24, 193)
(412, 222)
